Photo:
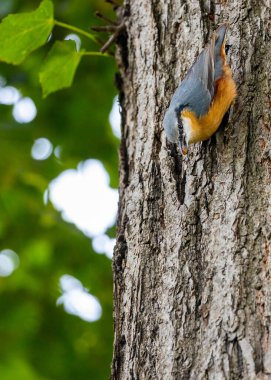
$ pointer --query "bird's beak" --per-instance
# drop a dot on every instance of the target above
(182, 139)
(184, 150)
(184, 147)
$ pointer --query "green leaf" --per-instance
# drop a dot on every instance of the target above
(59, 67)
(22, 33)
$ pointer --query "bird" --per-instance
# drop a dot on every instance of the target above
(204, 96)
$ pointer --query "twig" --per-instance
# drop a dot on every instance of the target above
(99, 15)
(112, 38)
(106, 28)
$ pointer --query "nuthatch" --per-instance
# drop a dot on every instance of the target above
(203, 97)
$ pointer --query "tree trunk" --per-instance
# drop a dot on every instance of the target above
(192, 264)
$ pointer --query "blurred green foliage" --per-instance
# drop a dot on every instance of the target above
(38, 339)
(21, 33)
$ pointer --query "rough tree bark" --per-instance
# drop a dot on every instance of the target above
(192, 264)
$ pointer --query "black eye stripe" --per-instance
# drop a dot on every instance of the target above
(181, 107)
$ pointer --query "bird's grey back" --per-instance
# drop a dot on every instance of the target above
(197, 89)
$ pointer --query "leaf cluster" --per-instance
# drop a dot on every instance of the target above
(38, 339)
(21, 34)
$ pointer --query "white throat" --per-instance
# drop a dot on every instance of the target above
(187, 126)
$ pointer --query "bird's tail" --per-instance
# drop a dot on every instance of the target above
(220, 55)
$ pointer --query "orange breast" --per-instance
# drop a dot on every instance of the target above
(204, 127)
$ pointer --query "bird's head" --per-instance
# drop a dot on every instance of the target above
(175, 128)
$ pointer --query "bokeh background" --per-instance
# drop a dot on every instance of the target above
(58, 204)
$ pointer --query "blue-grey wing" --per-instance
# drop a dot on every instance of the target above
(197, 89)
(193, 94)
